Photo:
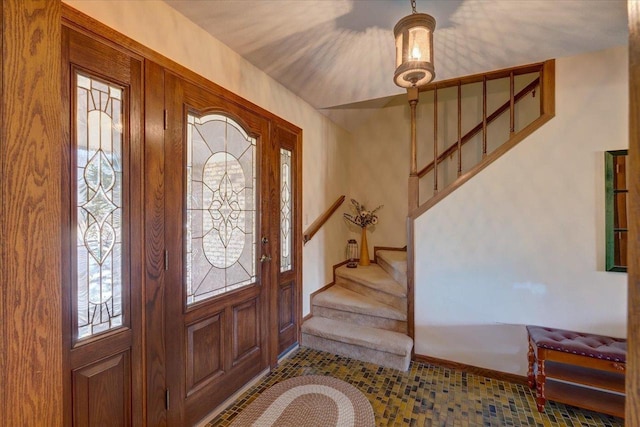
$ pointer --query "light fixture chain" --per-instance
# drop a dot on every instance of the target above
(413, 6)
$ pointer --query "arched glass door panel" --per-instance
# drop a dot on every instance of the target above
(221, 207)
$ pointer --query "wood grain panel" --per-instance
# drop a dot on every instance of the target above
(154, 200)
(31, 192)
(102, 393)
(245, 330)
(287, 309)
(633, 270)
(204, 351)
(286, 306)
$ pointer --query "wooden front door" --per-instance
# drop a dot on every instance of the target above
(102, 223)
(218, 248)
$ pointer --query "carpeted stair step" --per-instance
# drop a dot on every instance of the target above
(394, 263)
(339, 303)
(373, 282)
(379, 346)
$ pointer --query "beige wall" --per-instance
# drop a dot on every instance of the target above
(159, 27)
(523, 242)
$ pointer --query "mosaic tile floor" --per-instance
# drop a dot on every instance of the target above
(426, 395)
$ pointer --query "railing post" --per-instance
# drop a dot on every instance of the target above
(459, 128)
(484, 117)
(512, 105)
(435, 140)
(412, 95)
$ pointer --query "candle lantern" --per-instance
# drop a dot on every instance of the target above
(352, 253)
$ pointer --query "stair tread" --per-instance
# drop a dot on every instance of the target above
(364, 336)
(339, 298)
(396, 259)
(374, 277)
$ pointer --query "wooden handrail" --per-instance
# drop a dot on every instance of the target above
(473, 132)
(315, 226)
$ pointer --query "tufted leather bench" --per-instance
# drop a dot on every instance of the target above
(577, 368)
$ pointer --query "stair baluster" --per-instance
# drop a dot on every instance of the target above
(484, 116)
(435, 140)
(459, 128)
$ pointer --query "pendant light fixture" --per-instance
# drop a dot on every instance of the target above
(414, 49)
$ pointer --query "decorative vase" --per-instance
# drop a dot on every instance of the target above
(364, 248)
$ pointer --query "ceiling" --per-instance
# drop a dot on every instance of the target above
(339, 55)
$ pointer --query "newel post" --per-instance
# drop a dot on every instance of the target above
(412, 94)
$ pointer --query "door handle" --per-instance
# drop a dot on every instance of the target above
(265, 258)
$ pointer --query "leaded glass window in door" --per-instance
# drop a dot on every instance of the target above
(221, 207)
(286, 221)
(99, 207)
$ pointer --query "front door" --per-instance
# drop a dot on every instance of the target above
(218, 259)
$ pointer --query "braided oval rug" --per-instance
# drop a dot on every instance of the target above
(309, 401)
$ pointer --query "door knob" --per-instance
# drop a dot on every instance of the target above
(265, 258)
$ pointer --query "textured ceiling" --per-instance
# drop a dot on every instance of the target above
(336, 54)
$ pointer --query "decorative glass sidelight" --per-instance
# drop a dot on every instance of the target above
(286, 221)
(221, 207)
(99, 189)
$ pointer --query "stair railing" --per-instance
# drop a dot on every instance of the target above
(321, 220)
(545, 83)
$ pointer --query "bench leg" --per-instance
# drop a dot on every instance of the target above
(540, 380)
(531, 379)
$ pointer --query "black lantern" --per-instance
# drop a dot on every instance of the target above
(352, 253)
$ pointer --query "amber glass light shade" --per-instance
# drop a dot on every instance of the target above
(414, 50)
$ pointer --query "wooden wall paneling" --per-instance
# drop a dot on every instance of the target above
(154, 206)
(31, 224)
(633, 271)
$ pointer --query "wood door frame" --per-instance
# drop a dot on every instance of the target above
(30, 277)
(633, 269)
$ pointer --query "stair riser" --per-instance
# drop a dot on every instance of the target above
(398, 276)
(361, 319)
(394, 301)
(388, 360)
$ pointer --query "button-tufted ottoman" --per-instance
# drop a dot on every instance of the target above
(579, 369)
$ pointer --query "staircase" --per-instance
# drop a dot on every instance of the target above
(364, 314)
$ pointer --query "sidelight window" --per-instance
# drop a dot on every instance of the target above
(286, 223)
(99, 209)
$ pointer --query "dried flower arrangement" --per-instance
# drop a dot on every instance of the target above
(363, 218)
